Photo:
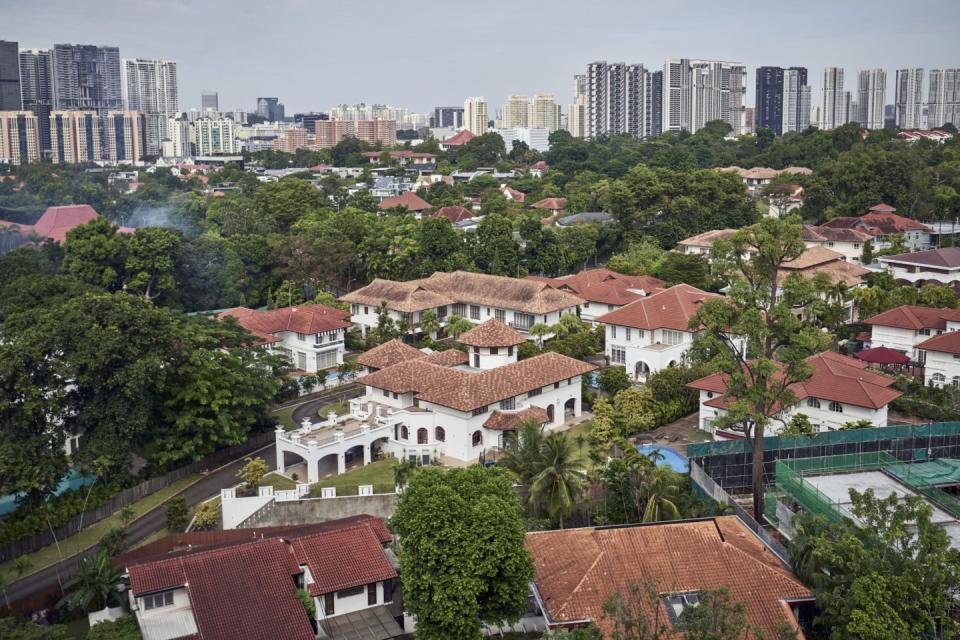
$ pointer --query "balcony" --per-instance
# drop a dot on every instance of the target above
(323, 346)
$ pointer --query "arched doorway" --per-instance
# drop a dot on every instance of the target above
(476, 439)
(569, 408)
(353, 457)
(641, 370)
(294, 463)
(550, 412)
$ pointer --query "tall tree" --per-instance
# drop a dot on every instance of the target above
(558, 484)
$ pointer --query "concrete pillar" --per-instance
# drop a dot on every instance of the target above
(558, 417)
(341, 463)
(313, 464)
(577, 409)
(366, 454)
(279, 450)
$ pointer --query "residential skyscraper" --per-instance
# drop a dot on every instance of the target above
(75, 137)
(618, 99)
(834, 101)
(698, 91)
(577, 111)
(654, 104)
(795, 100)
(475, 115)
(515, 112)
(126, 135)
(447, 117)
(596, 81)
(150, 87)
(270, 109)
(36, 88)
(19, 137)
(9, 77)
(180, 138)
(908, 100)
(209, 101)
(943, 105)
(214, 136)
(86, 77)
(769, 99)
(871, 97)
(544, 113)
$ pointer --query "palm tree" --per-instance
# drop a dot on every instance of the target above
(523, 451)
(94, 585)
(457, 325)
(569, 323)
(402, 472)
(539, 330)
(659, 488)
(558, 484)
(429, 324)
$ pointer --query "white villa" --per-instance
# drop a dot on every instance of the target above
(653, 333)
(449, 404)
(904, 328)
(519, 303)
(940, 356)
(936, 266)
(311, 336)
(841, 389)
(847, 242)
(603, 290)
(702, 243)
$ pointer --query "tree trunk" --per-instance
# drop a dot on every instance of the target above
(757, 478)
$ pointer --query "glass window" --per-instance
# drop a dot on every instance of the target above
(813, 402)
(460, 309)
(509, 404)
(628, 334)
(678, 602)
(328, 608)
(494, 351)
(500, 315)
(158, 600)
(613, 331)
(618, 355)
(301, 337)
(523, 320)
(836, 407)
(672, 337)
(534, 392)
(479, 411)
(440, 434)
(372, 594)
(388, 591)
(352, 591)
(474, 312)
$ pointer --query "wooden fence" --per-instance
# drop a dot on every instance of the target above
(31, 543)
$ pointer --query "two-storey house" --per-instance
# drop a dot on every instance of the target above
(940, 356)
(847, 242)
(603, 290)
(935, 266)
(903, 328)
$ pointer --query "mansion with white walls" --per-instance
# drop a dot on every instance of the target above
(903, 328)
(940, 356)
(840, 390)
(518, 303)
(446, 404)
(936, 267)
(311, 336)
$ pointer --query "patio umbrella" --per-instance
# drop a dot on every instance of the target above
(883, 355)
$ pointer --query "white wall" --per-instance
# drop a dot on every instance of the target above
(899, 339)
(332, 341)
(822, 419)
(851, 251)
(915, 274)
(645, 346)
(945, 364)
(349, 604)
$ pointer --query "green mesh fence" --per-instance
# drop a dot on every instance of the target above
(807, 496)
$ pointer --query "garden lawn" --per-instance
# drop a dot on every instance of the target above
(91, 535)
(379, 474)
(284, 417)
(278, 482)
(582, 453)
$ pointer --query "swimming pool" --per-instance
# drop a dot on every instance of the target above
(71, 482)
(671, 457)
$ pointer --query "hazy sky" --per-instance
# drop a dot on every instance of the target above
(313, 54)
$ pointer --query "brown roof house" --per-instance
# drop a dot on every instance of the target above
(881, 222)
(413, 203)
(702, 243)
(455, 404)
(604, 290)
(904, 328)
(576, 570)
(247, 586)
(56, 222)
(934, 266)
(520, 303)
(847, 242)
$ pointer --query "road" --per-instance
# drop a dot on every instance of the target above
(310, 408)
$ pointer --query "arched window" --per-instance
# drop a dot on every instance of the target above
(422, 436)
(813, 402)
(404, 432)
(836, 407)
(477, 438)
(440, 435)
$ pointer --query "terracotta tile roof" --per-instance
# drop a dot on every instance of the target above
(447, 358)
(915, 317)
(550, 203)
(813, 233)
(605, 286)
(343, 559)
(491, 333)
(453, 213)
(948, 257)
(707, 238)
(513, 194)
(503, 420)
(876, 224)
(945, 343)
(835, 377)
(388, 354)
(540, 165)
(816, 260)
(575, 570)
(57, 221)
(406, 154)
(465, 390)
(669, 309)
(408, 199)
(468, 288)
(305, 318)
(883, 208)
(811, 257)
(459, 138)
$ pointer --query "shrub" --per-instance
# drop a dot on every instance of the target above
(253, 471)
(124, 628)
(612, 380)
(177, 513)
(207, 516)
(114, 541)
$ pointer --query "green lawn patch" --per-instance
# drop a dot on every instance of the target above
(284, 417)
(699, 435)
(91, 535)
(379, 474)
(278, 482)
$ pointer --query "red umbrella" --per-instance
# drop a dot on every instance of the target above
(883, 355)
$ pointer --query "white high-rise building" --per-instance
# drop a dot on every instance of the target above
(19, 137)
(871, 97)
(908, 100)
(796, 101)
(618, 100)
(515, 112)
(150, 87)
(577, 117)
(475, 117)
(834, 101)
(698, 91)
(944, 98)
(544, 113)
(180, 139)
(213, 136)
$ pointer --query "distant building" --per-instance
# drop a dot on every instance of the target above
(944, 98)
(447, 117)
(577, 116)
(75, 137)
(796, 100)
(871, 98)
(515, 112)
(537, 139)
(934, 266)
(544, 113)
(126, 136)
(214, 136)
(209, 101)
(908, 100)
(309, 120)
(181, 139)
(475, 115)
(329, 132)
(769, 99)
(36, 87)
(834, 101)
(87, 77)
(19, 137)
(150, 87)
(620, 99)
(270, 109)
(9, 77)
(696, 92)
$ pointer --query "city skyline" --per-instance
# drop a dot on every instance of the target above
(645, 34)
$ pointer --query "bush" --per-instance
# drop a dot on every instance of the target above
(612, 380)
(30, 519)
(177, 513)
(114, 541)
(207, 516)
(253, 471)
(124, 628)
(309, 605)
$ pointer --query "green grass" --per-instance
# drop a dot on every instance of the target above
(379, 474)
(284, 417)
(339, 408)
(762, 206)
(583, 453)
(278, 482)
(47, 556)
(699, 435)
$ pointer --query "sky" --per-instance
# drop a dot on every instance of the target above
(417, 54)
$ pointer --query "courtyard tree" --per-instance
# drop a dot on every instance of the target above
(253, 471)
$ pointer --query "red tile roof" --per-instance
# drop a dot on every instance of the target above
(305, 318)
(57, 221)
(491, 333)
(406, 154)
(945, 343)
(835, 377)
(554, 204)
(388, 354)
(669, 309)
(914, 317)
(408, 199)
(459, 138)
(575, 570)
(448, 358)
(883, 208)
(876, 224)
(948, 257)
(605, 286)
(503, 420)
(882, 355)
(343, 559)
(513, 194)
(453, 213)
(813, 233)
